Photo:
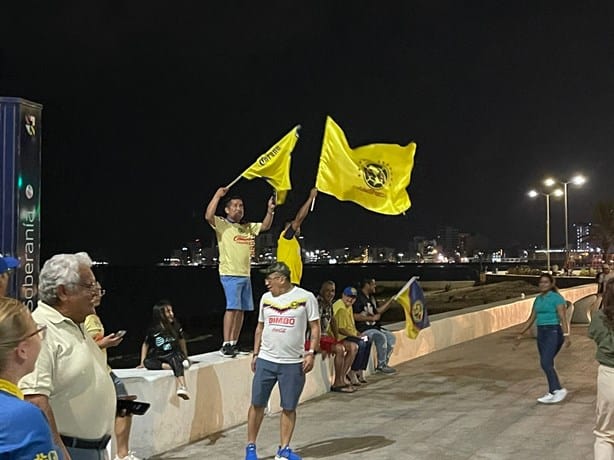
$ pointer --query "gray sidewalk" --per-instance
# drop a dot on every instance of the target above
(473, 401)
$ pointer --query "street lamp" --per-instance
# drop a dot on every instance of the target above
(576, 180)
(533, 194)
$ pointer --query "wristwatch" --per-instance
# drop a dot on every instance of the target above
(312, 352)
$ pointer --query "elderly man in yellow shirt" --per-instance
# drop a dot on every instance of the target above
(70, 382)
(344, 316)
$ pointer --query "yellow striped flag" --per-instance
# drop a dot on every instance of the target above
(374, 176)
(274, 165)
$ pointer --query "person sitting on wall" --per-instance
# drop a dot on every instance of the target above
(343, 352)
(359, 344)
(164, 346)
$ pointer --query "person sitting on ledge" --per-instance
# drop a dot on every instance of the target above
(352, 339)
(367, 315)
(343, 352)
(164, 346)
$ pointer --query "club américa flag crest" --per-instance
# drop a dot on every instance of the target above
(411, 297)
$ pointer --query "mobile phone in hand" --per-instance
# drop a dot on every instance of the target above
(120, 334)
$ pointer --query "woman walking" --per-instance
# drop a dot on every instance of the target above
(549, 311)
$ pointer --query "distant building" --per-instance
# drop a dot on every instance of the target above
(447, 238)
(582, 232)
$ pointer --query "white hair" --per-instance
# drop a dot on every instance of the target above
(60, 270)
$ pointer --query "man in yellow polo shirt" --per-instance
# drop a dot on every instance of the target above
(235, 239)
(288, 247)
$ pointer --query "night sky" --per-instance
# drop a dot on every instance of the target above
(149, 107)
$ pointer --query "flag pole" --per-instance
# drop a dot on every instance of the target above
(406, 286)
(235, 181)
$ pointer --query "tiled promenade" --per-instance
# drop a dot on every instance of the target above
(471, 401)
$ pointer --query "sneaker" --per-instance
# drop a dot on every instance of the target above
(228, 351)
(546, 399)
(238, 351)
(559, 395)
(385, 369)
(250, 452)
(186, 364)
(182, 392)
(130, 456)
(287, 454)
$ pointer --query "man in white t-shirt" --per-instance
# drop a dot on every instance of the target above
(279, 354)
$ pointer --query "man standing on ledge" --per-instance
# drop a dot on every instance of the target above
(288, 247)
(235, 239)
(280, 356)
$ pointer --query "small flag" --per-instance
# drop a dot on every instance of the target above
(416, 316)
(374, 176)
(274, 165)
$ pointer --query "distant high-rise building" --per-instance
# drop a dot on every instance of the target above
(447, 238)
(582, 232)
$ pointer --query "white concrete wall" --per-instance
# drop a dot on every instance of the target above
(221, 387)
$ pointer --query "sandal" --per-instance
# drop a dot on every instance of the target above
(343, 389)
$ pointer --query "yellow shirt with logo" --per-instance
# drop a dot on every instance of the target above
(344, 316)
(289, 252)
(235, 243)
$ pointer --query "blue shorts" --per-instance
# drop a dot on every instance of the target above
(291, 380)
(238, 292)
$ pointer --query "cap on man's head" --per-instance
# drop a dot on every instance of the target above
(350, 291)
(7, 263)
(278, 267)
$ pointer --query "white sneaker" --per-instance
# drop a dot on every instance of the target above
(182, 392)
(546, 399)
(130, 456)
(559, 395)
(186, 364)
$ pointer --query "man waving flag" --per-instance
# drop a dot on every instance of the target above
(374, 176)
(274, 165)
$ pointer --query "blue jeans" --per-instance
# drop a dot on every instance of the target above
(384, 343)
(549, 341)
(87, 454)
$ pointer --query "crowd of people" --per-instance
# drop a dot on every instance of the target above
(63, 401)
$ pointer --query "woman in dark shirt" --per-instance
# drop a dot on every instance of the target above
(164, 346)
(601, 330)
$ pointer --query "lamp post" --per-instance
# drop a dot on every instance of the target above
(576, 180)
(533, 194)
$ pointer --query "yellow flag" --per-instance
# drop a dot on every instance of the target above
(274, 165)
(374, 176)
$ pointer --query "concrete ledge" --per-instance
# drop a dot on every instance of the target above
(220, 388)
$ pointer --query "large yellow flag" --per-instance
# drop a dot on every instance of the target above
(274, 165)
(374, 176)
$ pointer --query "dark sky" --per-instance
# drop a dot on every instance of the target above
(150, 106)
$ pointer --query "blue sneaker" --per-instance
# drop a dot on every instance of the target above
(287, 454)
(250, 452)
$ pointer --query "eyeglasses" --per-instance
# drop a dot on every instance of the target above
(270, 278)
(94, 287)
(41, 330)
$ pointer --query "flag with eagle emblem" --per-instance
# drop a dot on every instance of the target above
(374, 176)
(411, 298)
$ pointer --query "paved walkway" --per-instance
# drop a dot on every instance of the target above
(472, 401)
